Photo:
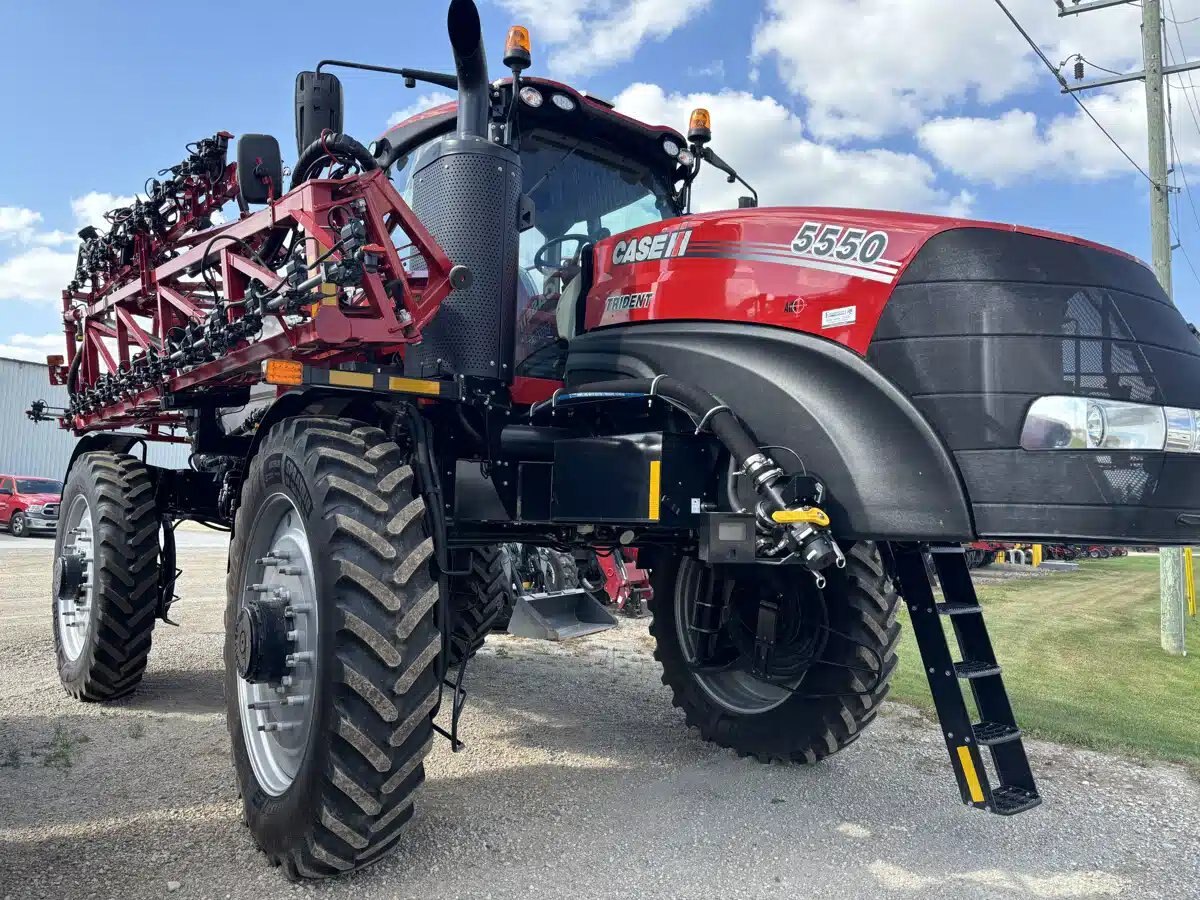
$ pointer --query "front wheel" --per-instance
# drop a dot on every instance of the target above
(332, 647)
(833, 660)
(18, 525)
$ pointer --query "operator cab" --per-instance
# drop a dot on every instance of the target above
(589, 173)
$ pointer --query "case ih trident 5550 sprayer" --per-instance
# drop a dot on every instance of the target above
(500, 323)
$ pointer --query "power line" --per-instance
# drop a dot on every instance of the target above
(1177, 164)
(1059, 78)
(1189, 97)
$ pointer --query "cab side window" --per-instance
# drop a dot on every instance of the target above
(6, 486)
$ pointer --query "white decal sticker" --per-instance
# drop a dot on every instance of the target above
(626, 302)
(668, 245)
(844, 315)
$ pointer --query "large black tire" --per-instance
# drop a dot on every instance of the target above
(18, 525)
(120, 495)
(566, 570)
(861, 603)
(378, 644)
(477, 601)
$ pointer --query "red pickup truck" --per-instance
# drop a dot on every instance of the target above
(29, 504)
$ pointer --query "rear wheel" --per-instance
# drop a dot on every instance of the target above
(833, 661)
(332, 645)
(18, 525)
(106, 562)
(478, 601)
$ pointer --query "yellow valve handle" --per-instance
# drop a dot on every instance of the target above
(810, 515)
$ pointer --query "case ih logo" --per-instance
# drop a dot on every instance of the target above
(626, 302)
(668, 245)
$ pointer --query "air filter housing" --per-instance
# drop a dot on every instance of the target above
(467, 192)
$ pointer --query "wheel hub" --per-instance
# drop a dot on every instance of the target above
(69, 574)
(275, 644)
(75, 577)
(261, 643)
(736, 673)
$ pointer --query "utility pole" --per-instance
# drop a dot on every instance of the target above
(1172, 581)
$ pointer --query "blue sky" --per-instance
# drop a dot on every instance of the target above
(887, 103)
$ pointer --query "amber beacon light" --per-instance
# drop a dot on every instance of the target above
(518, 50)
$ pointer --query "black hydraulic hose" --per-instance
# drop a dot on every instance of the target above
(718, 418)
(470, 60)
(331, 144)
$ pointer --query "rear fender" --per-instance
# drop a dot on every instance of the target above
(887, 472)
(103, 442)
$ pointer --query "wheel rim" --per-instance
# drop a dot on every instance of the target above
(277, 718)
(736, 689)
(73, 615)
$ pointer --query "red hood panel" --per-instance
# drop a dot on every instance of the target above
(824, 271)
(40, 498)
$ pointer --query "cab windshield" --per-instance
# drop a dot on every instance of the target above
(582, 193)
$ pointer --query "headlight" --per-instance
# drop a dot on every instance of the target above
(563, 102)
(671, 147)
(35, 509)
(532, 97)
(1084, 423)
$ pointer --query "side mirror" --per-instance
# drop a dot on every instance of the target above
(318, 107)
(747, 203)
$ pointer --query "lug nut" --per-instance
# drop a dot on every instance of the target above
(294, 659)
(298, 609)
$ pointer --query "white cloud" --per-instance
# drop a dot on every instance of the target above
(91, 207)
(34, 348)
(37, 275)
(587, 36)
(54, 238)
(18, 222)
(1019, 145)
(869, 68)
(425, 103)
(767, 143)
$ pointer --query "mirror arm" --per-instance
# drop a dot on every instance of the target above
(411, 76)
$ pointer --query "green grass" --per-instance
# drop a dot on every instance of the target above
(1082, 661)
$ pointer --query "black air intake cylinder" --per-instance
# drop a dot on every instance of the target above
(467, 192)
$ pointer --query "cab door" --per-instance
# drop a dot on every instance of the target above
(6, 499)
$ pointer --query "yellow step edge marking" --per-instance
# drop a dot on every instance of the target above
(414, 386)
(809, 514)
(655, 489)
(351, 379)
(968, 767)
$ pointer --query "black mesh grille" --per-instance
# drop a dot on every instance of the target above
(469, 202)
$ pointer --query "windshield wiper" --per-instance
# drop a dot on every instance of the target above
(553, 168)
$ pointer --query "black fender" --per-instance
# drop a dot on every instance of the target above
(888, 474)
(314, 402)
(103, 442)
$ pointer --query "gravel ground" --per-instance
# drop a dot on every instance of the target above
(579, 780)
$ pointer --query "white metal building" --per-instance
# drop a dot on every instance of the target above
(43, 449)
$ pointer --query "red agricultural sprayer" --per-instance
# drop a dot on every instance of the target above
(500, 323)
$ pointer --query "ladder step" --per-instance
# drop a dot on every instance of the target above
(960, 609)
(989, 734)
(1008, 800)
(970, 669)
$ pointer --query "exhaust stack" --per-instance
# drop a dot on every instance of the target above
(467, 192)
(470, 60)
